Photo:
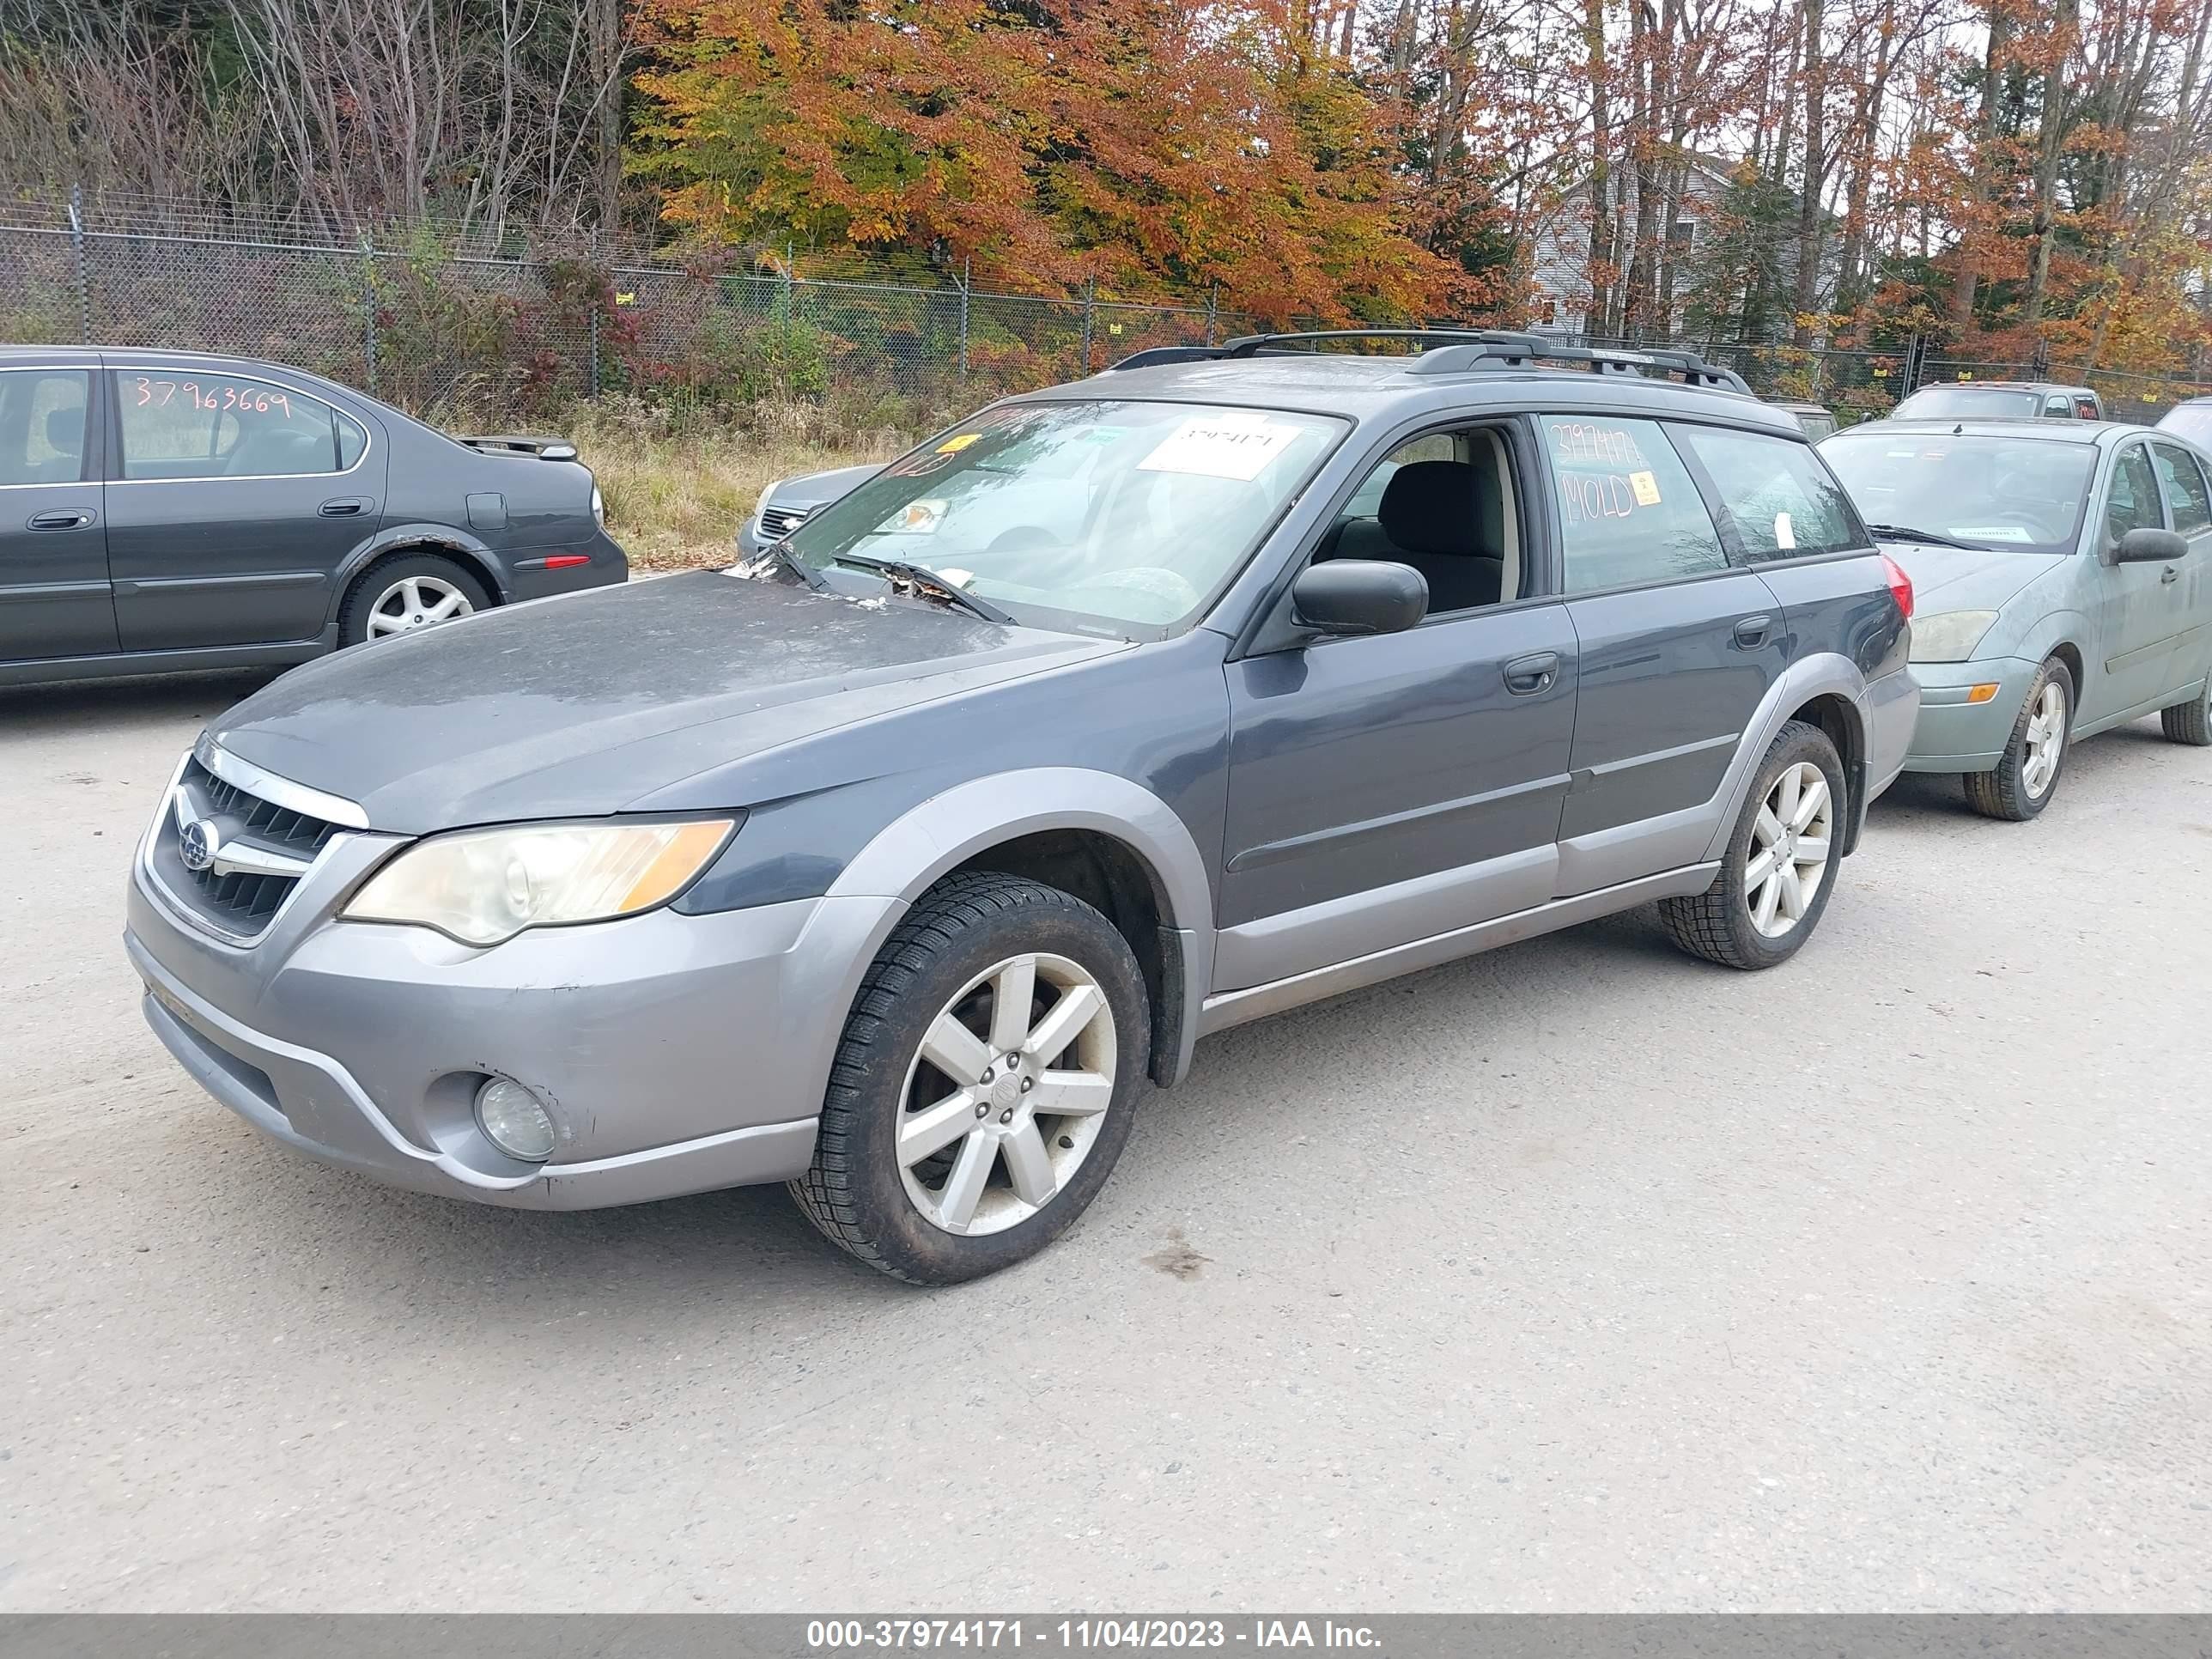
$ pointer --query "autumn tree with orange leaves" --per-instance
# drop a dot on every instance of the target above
(1044, 145)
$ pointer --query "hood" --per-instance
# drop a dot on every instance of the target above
(577, 706)
(1967, 578)
(817, 489)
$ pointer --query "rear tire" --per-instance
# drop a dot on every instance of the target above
(380, 601)
(1781, 863)
(2189, 722)
(939, 1157)
(2026, 777)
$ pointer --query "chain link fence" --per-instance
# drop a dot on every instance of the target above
(471, 326)
(448, 325)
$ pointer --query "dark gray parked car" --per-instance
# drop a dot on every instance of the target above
(162, 510)
(893, 863)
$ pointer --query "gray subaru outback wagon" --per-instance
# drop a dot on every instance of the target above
(897, 863)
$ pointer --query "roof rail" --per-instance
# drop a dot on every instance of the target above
(1513, 350)
(1461, 350)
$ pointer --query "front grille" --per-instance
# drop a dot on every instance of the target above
(777, 522)
(236, 902)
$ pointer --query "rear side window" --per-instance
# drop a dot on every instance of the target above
(179, 423)
(2061, 407)
(2185, 493)
(42, 422)
(1782, 501)
(1629, 512)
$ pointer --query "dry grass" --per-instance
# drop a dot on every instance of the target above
(676, 490)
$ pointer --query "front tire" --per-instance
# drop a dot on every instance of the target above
(985, 1085)
(2189, 722)
(1781, 862)
(2026, 776)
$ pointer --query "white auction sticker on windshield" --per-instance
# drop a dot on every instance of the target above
(1237, 446)
(1995, 532)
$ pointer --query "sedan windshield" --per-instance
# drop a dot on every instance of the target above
(1948, 402)
(1129, 513)
(2014, 492)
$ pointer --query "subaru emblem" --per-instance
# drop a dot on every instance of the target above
(198, 843)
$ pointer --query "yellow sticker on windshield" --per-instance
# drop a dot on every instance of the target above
(954, 446)
(1646, 488)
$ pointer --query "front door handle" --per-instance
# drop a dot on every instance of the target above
(2169, 575)
(1751, 632)
(346, 506)
(1526, 675)
(66, 518)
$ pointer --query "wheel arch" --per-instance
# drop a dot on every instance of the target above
(442, 539)
(1097, 835)
(1831, 686)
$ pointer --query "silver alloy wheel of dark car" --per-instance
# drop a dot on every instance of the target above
(406, 592)
(1781, 861)
(1017, 1069)
(416, 601)
(985, 1084)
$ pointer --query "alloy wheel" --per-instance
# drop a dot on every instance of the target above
(416, 601)
(1004, 1101)
(1790, 843)
(2046, 740)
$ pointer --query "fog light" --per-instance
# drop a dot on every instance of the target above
(514, 1121)
(1982, 693)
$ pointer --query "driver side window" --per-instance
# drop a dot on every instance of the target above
(1446, 504)
(2132, 502)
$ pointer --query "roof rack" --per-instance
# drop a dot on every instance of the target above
(1460, 351)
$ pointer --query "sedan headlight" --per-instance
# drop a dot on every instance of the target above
(487, 885)
(598, 507)
(1949, 636)
(760, 506)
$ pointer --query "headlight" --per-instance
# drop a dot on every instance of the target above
(598, 507)
(487, 885)
(760, 506)
(1949, 636)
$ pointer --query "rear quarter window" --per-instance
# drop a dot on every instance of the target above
(1778, 495)
(1629, 510)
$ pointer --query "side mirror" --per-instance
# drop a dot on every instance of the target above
(1359, 596)
(2148, 544)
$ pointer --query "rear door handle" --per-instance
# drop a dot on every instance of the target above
(1526, 675)
(346, 506)
(1751, 632)
(2168, 574)
(66, 517)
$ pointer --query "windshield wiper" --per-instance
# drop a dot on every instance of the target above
(782, 554)
(928, 584)
(1906, 532)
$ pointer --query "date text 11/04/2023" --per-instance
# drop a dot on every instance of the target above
(1085, 1634)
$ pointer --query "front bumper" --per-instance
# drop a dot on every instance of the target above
(1954, 735)
(675, 1054)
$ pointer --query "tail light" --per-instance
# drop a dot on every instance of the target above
(1901, 586)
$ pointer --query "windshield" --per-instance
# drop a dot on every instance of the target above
(2190, 421)
(1131, 514)
(1944, 402)
(2026, 494)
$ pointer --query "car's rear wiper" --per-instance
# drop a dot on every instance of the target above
(927, 583)
(1904, 532)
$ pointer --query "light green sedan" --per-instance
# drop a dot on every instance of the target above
(2062, 572)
